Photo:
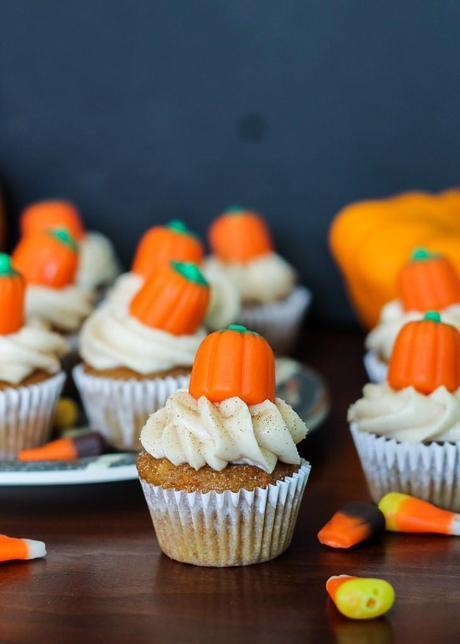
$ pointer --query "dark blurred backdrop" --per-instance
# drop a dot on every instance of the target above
(144, 110)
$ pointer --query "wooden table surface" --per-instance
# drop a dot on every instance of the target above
(105, 580)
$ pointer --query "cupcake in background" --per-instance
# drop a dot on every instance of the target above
(135, 355)
(175, 242)
(98, 265)
(427, 282)
(31, 378)
(48, 261)
(220, 470)
(272, 303)
(407, 430)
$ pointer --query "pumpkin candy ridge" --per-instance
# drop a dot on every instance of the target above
(12, 295)
(239, 235)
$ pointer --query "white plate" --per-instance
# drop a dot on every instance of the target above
(298, 385)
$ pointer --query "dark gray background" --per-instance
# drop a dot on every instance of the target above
(143, 110)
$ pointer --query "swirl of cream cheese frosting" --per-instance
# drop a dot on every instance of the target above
(199, 432)
(224, 304)
(392, 318)
(98, 264)
(60, 308)
(30, 349)
(408, 415)
(264, 279)
(111, 338)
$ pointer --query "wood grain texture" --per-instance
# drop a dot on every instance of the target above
(105, 580)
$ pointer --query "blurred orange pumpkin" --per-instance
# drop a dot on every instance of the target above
(371, 241)
(234, 362)
(48, 258)
(12, 292)
(174, 298)
(163, 244)
(45, 215)
(428, 282)
(426, 356)
(239, 235)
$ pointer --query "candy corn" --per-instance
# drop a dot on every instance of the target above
(360, 597)
(65, 449)
(404, 513)
(354, 523)
(12, 548)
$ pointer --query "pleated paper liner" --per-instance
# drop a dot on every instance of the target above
(429, 471)
(26, 415)
(118, 409)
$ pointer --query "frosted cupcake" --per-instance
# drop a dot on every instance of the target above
(48, 261)
(135, 356)
(220, 470)
(98, 265)
(428, 282)
(407, 429)
(175, 242)
(31, 378)
(272, 303)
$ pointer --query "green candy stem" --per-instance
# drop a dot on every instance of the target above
(178, 226)
(237, 327)
(190, 271)
(63, 235)
(432, 316)
(422, 254)
(234, 210)
(6, 267)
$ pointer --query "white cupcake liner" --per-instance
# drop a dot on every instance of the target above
(229, 528)
(118, 409)
(279, 322)
(26, 414)
(429, 471)
(376, 368)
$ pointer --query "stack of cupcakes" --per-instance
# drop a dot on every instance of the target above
(31, 378)
(407, 429)
(135, 354)
(272, 303)
(220, 471)
(427, 282)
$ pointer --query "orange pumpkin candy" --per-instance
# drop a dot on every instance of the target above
(12, 293)
(48, 258)
(174, 298)
(429, 281)
(426, 356)
(45, 215)
(239, 235)
(234, 362)
(163, 244)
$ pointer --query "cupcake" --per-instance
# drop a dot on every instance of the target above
(428, 282)
(175, 242)
(98, 265)
(31, 378)
(272, 303)
(135, 355)
(48, 261)
(407, 429)
(220, 470)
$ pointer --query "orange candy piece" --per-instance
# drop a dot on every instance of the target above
(12, 293)
(174, 298)
(426, 355)
(239, 235)
(12, 548)
(428, 282)
(404, 513)
(48, 258)
(163, 244)
(45, 215)
(234, 362)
